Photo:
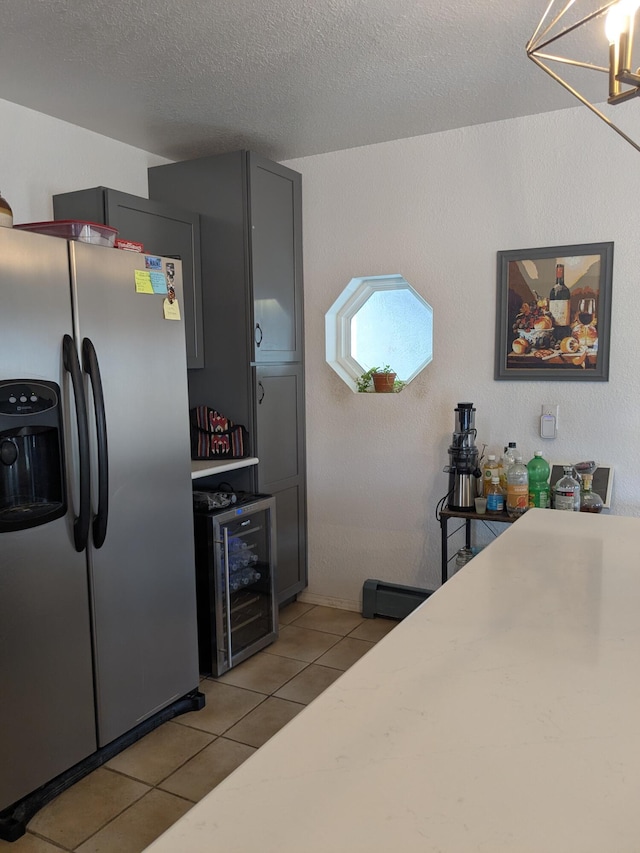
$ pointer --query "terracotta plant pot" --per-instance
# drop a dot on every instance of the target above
(383, 382)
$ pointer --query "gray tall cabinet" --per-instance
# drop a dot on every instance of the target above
(252, 308)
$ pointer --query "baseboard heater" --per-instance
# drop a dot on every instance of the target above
(391, 599)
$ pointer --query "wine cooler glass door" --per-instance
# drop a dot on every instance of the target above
(248, 596)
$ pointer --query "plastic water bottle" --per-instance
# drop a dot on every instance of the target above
(517, 488)
(495, 498)
(508, 458)
(490, 468)
(463, 556)
(539, 471)
(567, 492)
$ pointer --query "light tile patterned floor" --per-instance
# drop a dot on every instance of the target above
(124, 805)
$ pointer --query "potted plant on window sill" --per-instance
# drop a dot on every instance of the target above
(384, 381)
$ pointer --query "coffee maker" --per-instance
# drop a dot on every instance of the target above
(463, 460)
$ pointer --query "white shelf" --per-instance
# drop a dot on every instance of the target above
(204, 467)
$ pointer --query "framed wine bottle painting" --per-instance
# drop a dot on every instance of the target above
(553, 314)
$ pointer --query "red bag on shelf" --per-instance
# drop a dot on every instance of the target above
(215, 437)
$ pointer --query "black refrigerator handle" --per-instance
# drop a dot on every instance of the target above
(72, 366)
(92, 369)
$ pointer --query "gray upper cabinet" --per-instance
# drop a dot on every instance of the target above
(163, 230)
(276, 260)
(251, 242)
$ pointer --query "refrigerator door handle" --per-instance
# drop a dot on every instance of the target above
(72, 366)
(92, 369)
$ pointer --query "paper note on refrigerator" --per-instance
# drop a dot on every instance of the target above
(158, 282)
(171, 309)
(143, 281)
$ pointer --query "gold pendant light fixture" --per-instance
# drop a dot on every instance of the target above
(571, 27)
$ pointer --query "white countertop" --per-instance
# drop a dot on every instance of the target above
(502, 716)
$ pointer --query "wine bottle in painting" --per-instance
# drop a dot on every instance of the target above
(560, 304)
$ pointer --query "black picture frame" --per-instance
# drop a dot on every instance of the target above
(525, 279)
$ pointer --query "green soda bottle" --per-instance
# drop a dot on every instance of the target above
(539, 471)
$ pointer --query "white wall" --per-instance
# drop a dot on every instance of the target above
(437, 209)
(41, 156)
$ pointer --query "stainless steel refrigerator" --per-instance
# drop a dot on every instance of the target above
(97, 584)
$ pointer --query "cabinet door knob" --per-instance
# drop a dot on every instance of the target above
(258, 338)
(261, 397)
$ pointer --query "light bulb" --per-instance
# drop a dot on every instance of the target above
(616, 20)
(629, 7)
(615, 23)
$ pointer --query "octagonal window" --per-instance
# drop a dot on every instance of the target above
(379, 321)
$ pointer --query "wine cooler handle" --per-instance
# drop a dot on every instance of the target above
(92, 369)
(258, 339)
(82, 521)
(227, 590)
(261, 397)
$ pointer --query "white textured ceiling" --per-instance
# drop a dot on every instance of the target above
(286, 78)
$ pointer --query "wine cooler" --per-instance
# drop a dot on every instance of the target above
(235, 582)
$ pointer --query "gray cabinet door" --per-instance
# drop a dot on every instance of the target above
(280, 436)
(163, 230)
(275, 233)
(291, 545)
(278, 423)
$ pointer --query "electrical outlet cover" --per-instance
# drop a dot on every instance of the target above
(547, 426)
